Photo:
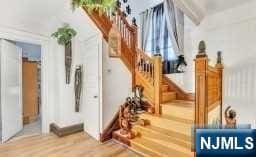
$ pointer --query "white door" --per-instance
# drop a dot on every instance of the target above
(91, 94)
(11, 87)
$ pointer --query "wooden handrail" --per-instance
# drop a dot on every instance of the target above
(208, 86)
(137, 61)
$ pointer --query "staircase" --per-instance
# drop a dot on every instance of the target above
(169, 132)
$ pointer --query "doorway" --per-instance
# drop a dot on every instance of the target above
(23, 80)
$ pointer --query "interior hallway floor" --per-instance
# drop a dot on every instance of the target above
(76, 145)
(31, 129)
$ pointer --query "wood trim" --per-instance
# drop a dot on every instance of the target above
(201, 103)
(181, 94)
(66, 130)
(113, 126)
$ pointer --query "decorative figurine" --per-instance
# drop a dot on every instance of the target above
(219, 57)
(118, 4)
(124, 121)
(230, 117)
(128, 9)
(201, 47)
(181, 64)
(78, 86)
(137, 100)
(134, 22)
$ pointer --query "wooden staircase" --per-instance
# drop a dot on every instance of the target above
(168, 134)
(172, 109)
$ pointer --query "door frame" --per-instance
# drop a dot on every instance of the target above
(43, 41)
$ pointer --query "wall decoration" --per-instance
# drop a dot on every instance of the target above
(114, 42)
(64, 36)
(78, 86)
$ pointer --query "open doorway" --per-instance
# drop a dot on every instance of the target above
(31, 89)
(20, 90)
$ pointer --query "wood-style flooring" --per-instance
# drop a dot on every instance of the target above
(77, 145)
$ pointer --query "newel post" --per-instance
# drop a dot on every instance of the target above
(201, 85)
(157, 83)
(134, 41)
(219, 66)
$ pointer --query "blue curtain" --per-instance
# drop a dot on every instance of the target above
(156, 24)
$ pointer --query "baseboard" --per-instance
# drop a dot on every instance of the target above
(66, 130)
(29, 119)
(108, 131)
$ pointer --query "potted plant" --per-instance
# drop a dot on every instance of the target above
(64, 36)
(98, 5)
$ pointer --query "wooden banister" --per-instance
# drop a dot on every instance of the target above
(146, 70)
(208, 85)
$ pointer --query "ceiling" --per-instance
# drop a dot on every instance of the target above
(214, 6)
(42, 16)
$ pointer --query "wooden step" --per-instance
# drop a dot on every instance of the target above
(176, 127)
(154, 148)
(161, 136)
(179, 110)
(165, 88)
(168, 96)
(182, 111)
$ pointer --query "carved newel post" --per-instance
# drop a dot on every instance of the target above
(78, 86)
(201, 66)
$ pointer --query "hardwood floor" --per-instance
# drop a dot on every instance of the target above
(77, 145)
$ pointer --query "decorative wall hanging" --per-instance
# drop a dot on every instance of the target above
(64, 36)
(114, 42)
(78, 86)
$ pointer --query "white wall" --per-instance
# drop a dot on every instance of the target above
(64, 113)
(233, 32)
(117, 85)
(33, 22)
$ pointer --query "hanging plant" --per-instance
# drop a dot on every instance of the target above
(98, 5)
(64, 36)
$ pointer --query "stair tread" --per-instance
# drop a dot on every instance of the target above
(185, 119)
(168, 124)
(160, 148)
(169, 92)
(181, 103)
(162, 136)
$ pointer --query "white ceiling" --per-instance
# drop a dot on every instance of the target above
(41, 16)
(214, 6)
